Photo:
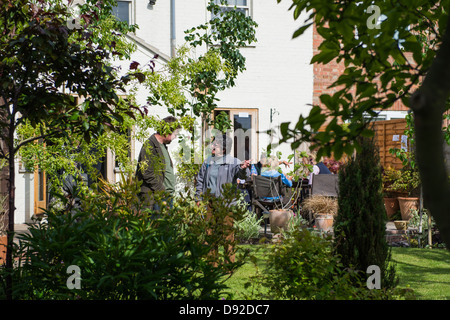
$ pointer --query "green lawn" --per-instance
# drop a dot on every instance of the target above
(426, 271)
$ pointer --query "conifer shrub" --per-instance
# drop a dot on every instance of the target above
(360, 225)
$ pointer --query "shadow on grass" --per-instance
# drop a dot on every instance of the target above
(425, 271)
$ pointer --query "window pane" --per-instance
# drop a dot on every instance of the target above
(242, 136)
(243, 10)
(232, 2)
(41, 186)
(122, 11)
(244, 122)
(229, 5)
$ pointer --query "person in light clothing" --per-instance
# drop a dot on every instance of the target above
(272, 164)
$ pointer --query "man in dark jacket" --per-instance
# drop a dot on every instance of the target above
(155, 167)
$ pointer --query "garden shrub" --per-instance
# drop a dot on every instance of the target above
(304, 266)
(294, 223)
(248, 227)
(124, 251)
(360, 225)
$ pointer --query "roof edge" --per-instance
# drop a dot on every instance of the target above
(148, 46)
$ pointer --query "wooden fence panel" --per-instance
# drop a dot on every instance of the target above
(388, 135)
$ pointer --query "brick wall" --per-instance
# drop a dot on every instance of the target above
(325, 75)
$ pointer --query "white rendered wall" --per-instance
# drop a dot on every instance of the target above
(278, 79)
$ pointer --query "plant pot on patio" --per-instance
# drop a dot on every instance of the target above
(401, 224)
(406, 205)
(391, 205)
(324, 209)
(324, 221)
(278, 219)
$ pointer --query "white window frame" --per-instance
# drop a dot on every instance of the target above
(254, 142)
(248, 8)
(110, 159)
(131, 12)
(388, 115)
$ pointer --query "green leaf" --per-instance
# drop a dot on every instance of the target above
(397, 55)
(368, 133)
(301, 30)
(86, 125)
(324, 57)
(316, 118)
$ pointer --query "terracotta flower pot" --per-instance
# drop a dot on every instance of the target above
(391, 205)
(401, 225)
(406, 204)
(324, 222)
(278, 219)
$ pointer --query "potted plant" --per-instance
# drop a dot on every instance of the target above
(409, 180)
(324, 210)
(390, 175)
(401, 224)
(407, 183)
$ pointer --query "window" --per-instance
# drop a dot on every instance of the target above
(123, 11)
(387, 115)
(108, 165)
(244, 132)
(128, 133)
(238, 5)
(40, 188)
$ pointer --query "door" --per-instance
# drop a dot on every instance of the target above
(244, 132)
(40, 191)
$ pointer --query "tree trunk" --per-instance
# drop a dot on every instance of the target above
(10, 234)
(428, 105)
(11, 210)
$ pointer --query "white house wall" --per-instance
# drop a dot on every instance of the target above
(24, 195)
(278, 80)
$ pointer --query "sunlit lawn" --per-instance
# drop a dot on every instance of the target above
(426, 271)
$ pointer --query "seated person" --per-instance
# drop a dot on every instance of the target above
(257, 168)
(318, 168)
(271, 165)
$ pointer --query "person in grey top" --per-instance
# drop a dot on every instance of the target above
(220, 168)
